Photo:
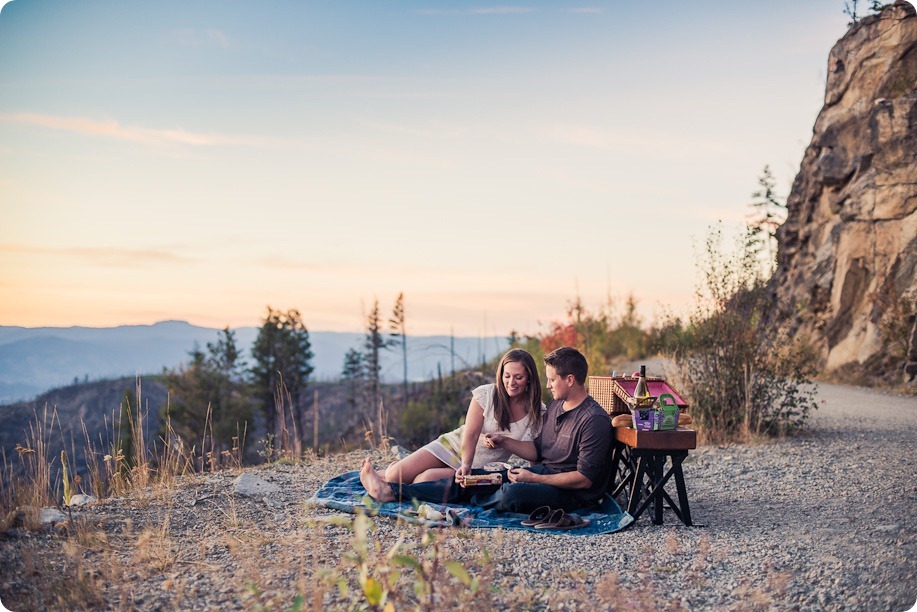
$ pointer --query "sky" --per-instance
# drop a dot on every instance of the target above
(203, 160)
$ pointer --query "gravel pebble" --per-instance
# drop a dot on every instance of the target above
(820, 521)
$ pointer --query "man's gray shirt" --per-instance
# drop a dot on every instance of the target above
(577, 440)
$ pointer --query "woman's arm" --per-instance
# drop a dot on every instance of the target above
(524, 450)
(474, 423)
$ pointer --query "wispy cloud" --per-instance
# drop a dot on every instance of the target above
(189, 37)
(487, 10)
(110, 128)
(657, 144)
(102, 256)
(590, 10)
(502, 10)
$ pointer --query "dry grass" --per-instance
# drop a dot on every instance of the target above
(229, 550)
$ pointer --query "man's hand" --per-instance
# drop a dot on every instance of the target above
(493, 440)
(522, 475)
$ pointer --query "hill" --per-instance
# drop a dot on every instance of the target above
(34, 360)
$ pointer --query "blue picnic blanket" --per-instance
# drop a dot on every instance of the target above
(346, 493)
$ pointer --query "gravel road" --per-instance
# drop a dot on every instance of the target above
(823, 521)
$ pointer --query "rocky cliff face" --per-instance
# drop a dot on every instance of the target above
(848, 250)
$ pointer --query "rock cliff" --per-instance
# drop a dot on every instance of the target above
(848, 249)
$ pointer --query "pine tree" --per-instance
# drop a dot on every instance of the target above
(768, 213)
(400, 336)
(373, 346)
(353, 375)
(282, 355)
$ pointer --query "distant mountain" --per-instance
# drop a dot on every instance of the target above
(34, 360)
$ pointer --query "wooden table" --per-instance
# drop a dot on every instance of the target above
(638, 462)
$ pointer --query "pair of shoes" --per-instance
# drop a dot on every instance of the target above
(561, 520)
(540, 515)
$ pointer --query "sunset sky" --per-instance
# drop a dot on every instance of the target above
(202, 160)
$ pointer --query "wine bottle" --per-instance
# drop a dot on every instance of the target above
(642, 391)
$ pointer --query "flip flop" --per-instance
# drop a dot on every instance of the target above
(537, 517)
(561, 520)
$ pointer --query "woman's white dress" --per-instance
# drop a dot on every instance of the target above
(448, 447)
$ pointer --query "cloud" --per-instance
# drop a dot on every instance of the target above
(490, 10)
(189, 37)
(589, 10)
(655, 144)
(114, 257)
(502, 10)
(110, 128)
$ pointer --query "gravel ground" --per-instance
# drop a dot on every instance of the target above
(822, 521)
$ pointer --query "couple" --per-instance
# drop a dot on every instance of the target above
(568, 444)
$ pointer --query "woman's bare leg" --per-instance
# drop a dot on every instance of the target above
(407, 469)
(435, 474)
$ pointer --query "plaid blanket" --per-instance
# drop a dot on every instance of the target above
(346, 493)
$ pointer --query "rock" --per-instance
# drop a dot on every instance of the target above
(51, 517)
(81, 499)
(400, 452)
(848, 249)
(249, 485)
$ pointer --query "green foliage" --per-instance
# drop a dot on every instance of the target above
(601, 336)
(399, 335)
(439, 411)
(742, 377)
(282, 355)
(374, 343)
(768, 213)
(209, 397)
(379, 574)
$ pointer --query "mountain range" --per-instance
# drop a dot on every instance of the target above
(34, 360)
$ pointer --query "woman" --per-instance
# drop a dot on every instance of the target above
(511, 406)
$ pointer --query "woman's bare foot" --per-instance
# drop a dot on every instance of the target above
(374, 484)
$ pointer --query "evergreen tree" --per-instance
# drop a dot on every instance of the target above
(768, 212)
(353, 375)
(373, 345)
(400, 336)
(282, 355)
(210, 400)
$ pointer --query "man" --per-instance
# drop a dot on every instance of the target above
(571, 450)
(572, 447)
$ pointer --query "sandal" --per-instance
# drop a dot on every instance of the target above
(561, 520)
(537, 517)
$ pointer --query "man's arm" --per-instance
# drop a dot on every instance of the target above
(523, 450)
(563, 480)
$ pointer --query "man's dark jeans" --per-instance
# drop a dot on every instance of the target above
(524, 497)
(444, 491)
(519, 497)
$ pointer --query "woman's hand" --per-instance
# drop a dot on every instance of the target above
(464, 470)
(493, 440)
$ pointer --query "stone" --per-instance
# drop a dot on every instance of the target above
(848, 249)
(249, 485)
(400, 452)
(50, 517)
(82, 499)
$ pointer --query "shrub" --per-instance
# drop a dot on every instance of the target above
(742, 376)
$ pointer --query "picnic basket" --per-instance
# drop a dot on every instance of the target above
(615, 393)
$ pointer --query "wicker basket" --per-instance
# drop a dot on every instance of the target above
(610, 395)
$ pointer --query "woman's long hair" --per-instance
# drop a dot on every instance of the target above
(501, 397)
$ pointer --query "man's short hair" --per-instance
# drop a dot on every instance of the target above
(567, 360)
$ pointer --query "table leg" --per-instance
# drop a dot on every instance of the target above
(682, 490)
(658, 464)
(637, 487)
